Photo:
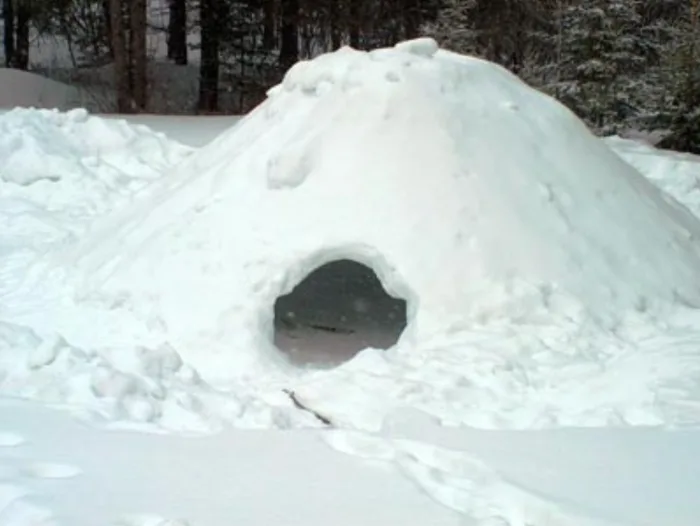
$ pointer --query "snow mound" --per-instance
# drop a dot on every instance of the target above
(21, 88)
(145, 388)
(54, 147)
(58, 171)
(471, 195)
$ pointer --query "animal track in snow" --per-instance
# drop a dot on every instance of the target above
(16, 510)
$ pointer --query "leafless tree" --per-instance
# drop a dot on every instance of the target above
(177, 32)
(8, 16)
(128, 25)
(210, 13)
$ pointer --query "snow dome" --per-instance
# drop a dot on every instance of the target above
(469, 195)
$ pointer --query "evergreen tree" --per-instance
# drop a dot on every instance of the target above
(683, 80)
(507, 32)
(455, 27)
(601, 61)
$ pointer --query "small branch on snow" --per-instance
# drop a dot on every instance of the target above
(300, 405)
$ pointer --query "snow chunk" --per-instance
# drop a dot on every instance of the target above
(289, 168)
(46, 353)
(421, 47)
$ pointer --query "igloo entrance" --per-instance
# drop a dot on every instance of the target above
(335, 312)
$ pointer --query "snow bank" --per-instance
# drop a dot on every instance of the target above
(21, 88)
(473, 196)
(678, 174)
(148, 388)
(58, 171)
(57, 154)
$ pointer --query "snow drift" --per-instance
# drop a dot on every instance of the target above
(471, 195)
(677, 174)
(22, 88)
(59, 171)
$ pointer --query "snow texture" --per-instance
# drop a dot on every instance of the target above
(394, 158)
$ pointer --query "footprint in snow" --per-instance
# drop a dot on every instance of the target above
(50, 470)
(360, 444)
(16, 510)
(10, 439)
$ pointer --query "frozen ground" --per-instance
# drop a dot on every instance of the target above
(539, 415)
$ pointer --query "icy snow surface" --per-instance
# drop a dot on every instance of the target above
(549, 284)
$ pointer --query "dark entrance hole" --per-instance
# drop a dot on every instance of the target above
(335, 312)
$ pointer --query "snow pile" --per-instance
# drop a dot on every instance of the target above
(56, 154)
(525, 376)
(678, 174)
(58, 171)
(473, 196)
(134, 387)
(21, 88)
(502, 260)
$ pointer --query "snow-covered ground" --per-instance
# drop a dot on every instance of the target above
(160, 401)
(54, 470)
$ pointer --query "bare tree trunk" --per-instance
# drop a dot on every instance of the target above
(121, 57)
(139, 80)
(106, 10)
(21, 57)
(289, 46)
(410, 19)
(268, 24)
(333, 16)
(694, 7)
(8, 15)
(354, 24)
(209, 62)
(177, 32)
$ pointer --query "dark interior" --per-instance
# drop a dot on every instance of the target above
(338, 310)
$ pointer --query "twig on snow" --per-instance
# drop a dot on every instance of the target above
(300, 405)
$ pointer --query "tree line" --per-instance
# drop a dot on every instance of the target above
(616, 63)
